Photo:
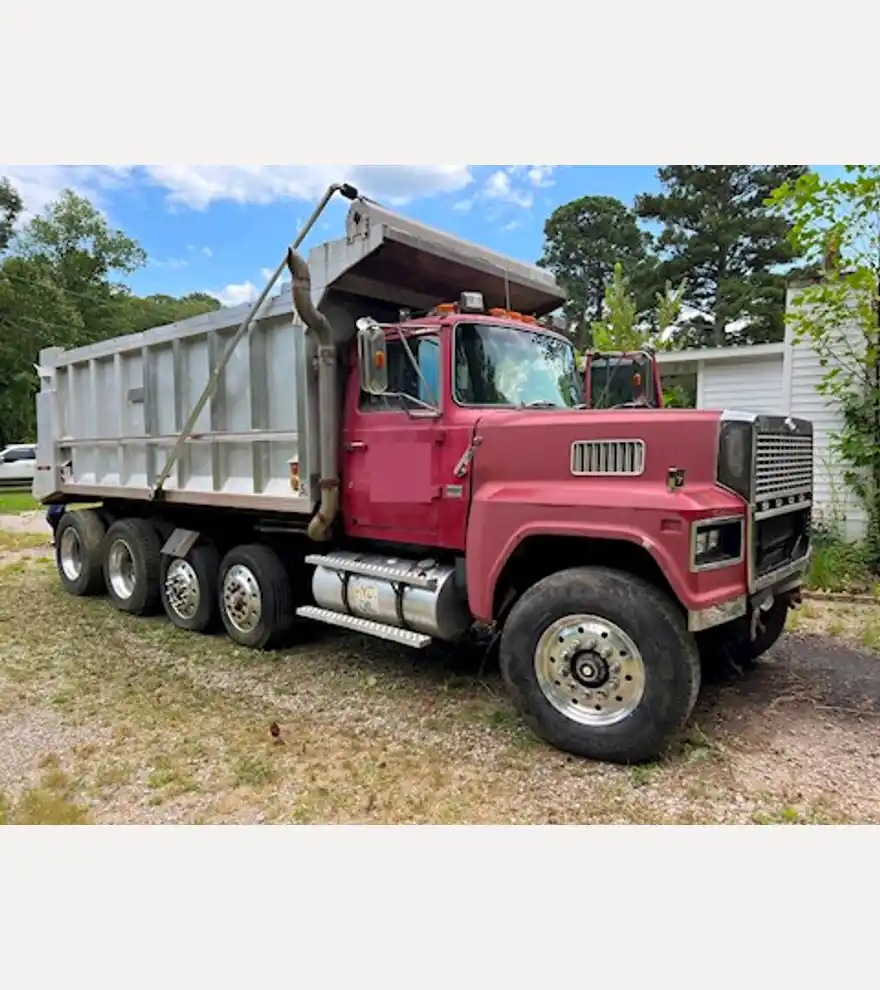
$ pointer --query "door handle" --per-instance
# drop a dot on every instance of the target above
(356, 445)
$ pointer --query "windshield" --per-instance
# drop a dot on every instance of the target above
(615, 381)
(507, 366)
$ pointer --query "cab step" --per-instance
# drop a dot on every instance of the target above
(368, 568)
(406, 637)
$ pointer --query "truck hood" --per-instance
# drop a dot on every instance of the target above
(538, 445)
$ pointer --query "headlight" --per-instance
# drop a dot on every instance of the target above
(735, 457)
(716, 543)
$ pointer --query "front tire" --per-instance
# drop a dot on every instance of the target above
(256, 601)
(600, 664)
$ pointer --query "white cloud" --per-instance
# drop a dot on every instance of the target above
(541, 175)
(513, 225)
(172, 263)
(197, 186)
(235, 295)
(39, 185)
(207, 252)
(500, 187)
(463, 205)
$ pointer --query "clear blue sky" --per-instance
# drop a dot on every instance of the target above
(215, 228)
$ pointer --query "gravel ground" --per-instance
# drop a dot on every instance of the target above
(25, 522)
(105, 718)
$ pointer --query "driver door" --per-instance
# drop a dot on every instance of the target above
(391, 450)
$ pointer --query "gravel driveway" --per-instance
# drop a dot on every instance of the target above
(105, 718)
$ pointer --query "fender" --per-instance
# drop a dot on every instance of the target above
(648, 515)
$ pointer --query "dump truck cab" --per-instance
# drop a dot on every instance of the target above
(467, 431)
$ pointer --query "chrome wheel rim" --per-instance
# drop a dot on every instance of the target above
(120, 569)
(70, 554)
(242, 601)
(182, 590)
(590, 670)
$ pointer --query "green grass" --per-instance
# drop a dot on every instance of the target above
(839, 566)
(12, 503)
(24, 541)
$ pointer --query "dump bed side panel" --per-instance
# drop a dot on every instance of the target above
(109, 415)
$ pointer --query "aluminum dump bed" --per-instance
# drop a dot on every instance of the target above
(109, 415)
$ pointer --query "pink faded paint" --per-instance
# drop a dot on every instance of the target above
(400, 486)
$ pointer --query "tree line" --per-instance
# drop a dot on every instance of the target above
(59, 287)
(712, 241)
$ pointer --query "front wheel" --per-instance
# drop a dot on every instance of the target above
(600, 664)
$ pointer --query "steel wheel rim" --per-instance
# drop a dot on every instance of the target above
(590, 670)
(70, 554)
(182, 589)
(242, 600)
(120, 569)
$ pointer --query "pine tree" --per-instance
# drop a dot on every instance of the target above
(720, 234)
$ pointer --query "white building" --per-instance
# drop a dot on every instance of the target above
(774, 378)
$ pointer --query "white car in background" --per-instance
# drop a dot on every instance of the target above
(17, 464)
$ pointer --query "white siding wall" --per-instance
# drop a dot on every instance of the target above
(803, 374)
(784, 383)
(752, 385)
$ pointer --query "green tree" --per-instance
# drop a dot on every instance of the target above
(835, 225)
(35, 312)
(144, 312)
(584, 240)
(58, 288)
(719, 234)
(10, 210)
(623, 327)
(72, 244)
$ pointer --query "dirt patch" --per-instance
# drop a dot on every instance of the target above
(24, 522)
(130, 720)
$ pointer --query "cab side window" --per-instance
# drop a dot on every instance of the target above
(405, 381)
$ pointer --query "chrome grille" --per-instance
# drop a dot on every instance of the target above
(783, 465)
(618, 457)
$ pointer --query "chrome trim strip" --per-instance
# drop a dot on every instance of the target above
(795, 567)
(284, 504)
(781, 510)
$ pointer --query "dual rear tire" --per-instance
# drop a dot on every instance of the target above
(248, 592)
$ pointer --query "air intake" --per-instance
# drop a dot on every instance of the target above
(607, 457)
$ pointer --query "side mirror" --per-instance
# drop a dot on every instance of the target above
(372, 357)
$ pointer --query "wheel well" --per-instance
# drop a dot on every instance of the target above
(539, 556)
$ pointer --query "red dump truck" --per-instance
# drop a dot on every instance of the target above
(394, 445)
